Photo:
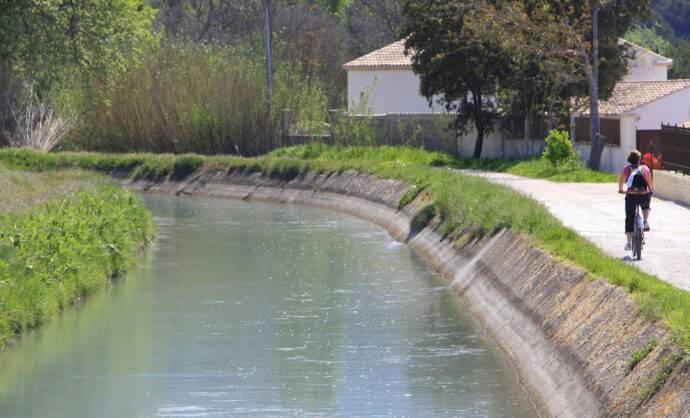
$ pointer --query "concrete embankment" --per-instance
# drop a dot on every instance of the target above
(569, 338)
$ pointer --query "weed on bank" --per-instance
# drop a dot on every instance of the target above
(64, 249)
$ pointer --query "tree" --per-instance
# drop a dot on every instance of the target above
(303, 32)
(593, 28)
(675, 14)
(536, 78)
(551, 43)
(454, 61)
(373, 24)
(51, 39)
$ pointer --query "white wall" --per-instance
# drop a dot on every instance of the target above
(496, 146)
(491, 147)
(646, 67)
(674, 108)
(389, 91)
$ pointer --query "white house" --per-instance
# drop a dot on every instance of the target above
(645, 64)
(382, 82)
(641, 107)
(642, 101)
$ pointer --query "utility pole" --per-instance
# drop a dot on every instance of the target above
(596, 145)
(268, 53)
(268, 71)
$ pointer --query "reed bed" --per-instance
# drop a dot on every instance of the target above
(202, 98)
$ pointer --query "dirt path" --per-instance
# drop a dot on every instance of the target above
(596, 211)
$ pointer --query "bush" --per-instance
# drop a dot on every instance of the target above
(559, 150)
(187, 164)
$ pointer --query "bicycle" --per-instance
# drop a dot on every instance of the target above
(638, 232)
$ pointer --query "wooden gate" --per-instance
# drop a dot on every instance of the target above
(645, 138)
(675, 148)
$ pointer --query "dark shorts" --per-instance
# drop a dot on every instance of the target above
(630, 201)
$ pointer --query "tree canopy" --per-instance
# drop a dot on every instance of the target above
(536, 53)
(675, 14)
(49, 39)
(455, 61)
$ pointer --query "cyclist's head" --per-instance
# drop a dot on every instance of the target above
(634, 157)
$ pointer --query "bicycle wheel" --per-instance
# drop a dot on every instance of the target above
(637, 240)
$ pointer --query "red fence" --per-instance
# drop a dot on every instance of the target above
(675, 147)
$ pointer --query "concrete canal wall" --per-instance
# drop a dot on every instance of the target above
(568, 337)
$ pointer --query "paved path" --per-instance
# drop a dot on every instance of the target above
(596, 211)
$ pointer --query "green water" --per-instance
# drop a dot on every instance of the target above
(253, 309)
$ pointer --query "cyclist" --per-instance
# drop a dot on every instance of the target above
(638, 193)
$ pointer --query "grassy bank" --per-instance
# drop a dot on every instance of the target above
(63, 235)
(468, 206)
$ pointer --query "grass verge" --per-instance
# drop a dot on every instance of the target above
(467, 205)
(80, 231)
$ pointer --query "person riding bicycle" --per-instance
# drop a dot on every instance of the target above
(637, 178)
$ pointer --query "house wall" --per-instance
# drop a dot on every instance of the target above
(389, 91)
(646, 67)
(674, 108)
(640, 71)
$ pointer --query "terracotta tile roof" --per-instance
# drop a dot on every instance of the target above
(629, 95)
(393, 57)
(389, 57)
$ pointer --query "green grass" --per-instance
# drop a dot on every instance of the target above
(568, 173)
(539, 168)
(67, 245)
(574, 172)
(468, 206)
(638, 356)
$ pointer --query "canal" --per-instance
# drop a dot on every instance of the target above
(258, 309)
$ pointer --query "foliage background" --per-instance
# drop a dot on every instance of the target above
(189, 75)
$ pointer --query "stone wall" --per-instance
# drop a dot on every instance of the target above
(672, 186)
(427, 130)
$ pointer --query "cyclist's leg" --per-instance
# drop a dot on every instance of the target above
(629, 217)
(644, 204)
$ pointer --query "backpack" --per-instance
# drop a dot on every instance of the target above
(636, 181)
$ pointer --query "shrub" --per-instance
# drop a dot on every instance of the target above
(35, 124)
(187, 164)
(559, 150)
(652, 161)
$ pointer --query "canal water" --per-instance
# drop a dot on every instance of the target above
(257, 309)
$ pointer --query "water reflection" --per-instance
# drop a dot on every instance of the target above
(245, 308)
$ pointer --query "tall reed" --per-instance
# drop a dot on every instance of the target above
(185, 97)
